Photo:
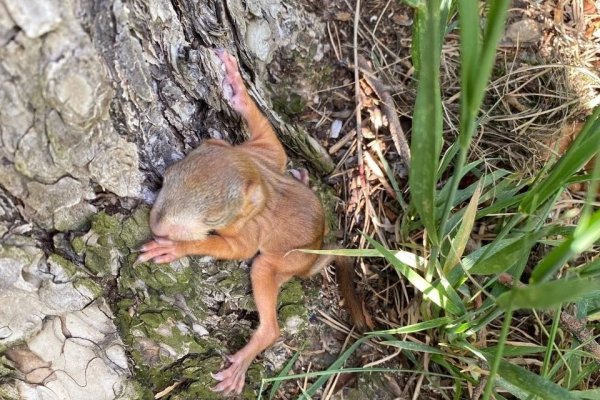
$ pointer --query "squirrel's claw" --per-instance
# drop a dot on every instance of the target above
(159, 250)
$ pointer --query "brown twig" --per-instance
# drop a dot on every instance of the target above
(578, 328)
(388, 108)
(478, 391)
(359, 138)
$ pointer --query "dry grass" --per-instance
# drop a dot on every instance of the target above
(536, 90)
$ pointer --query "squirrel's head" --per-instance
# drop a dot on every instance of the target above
(208, 190)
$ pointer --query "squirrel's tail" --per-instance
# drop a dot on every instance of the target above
(344, 271)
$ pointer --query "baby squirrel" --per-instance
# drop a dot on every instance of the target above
(235, 202)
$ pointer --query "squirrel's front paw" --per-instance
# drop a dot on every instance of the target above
(234, 89)
(160, 251)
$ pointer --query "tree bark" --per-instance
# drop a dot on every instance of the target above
(97, 97)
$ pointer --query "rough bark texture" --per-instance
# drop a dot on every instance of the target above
(97, 97)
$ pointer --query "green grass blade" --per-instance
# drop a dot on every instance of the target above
(592, 191)
(445, 287)
(592, 394)
(426, 138)
(532, 383)
(345, 252)
(549, 294)
(412, 346)
(505, 258)
(488, 315)
(459, 243)
(587, 372)
(325, 375)
(500, 201)
(586, 236)
(476, 256)
(337, 364)
(496, 361)
(592, 268)
(500, 205)
(496, 17)
(418, 282)
(354, 370)
(552, 262)
(410, 259)
(486, 181)
(468, 12)
(581, 241)
(581, 178)
(474, 80)
(518, 350)
(454, 370)
(445, 10)
(283, 373)
(447, 159)
(445, 190)
(573, 367)
(418, 327)
(551, 341)
(417, 38)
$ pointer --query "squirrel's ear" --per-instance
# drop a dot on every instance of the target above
(254, 194)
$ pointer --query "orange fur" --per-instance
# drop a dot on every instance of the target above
(234, 202)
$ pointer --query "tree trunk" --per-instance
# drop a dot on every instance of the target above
(97, 97)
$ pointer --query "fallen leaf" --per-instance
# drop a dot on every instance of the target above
(343, 16)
